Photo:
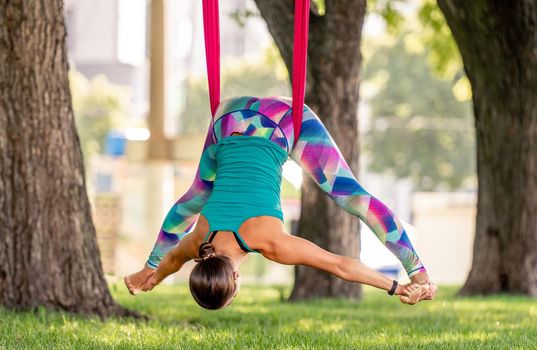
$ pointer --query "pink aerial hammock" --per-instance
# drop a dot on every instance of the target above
(211, 26)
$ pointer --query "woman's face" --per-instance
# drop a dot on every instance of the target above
(237, 278)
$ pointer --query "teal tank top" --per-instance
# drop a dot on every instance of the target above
(247, 184)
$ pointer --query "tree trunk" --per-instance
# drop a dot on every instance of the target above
(48, 248)
(498, 44)
(334, 62)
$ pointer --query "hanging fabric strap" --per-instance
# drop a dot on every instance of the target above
(300, 57)
(211, 29)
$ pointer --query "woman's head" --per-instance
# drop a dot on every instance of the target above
(213, 281)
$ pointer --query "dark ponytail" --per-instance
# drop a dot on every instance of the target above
(211, 282)
(206, 251)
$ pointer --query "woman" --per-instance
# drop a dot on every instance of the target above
(236, 189)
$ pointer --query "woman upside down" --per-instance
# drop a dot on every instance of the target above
(234, 204)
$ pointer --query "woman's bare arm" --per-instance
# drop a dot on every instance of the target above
(292, 250)
(174, 260)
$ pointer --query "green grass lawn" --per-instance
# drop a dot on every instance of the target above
(259, 320)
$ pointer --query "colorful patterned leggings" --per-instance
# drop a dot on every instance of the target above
(316, 153)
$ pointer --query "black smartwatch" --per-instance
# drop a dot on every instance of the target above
(394, 287)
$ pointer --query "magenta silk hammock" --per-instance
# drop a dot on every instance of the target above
(211, 27)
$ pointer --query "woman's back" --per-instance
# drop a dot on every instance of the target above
(247, 183)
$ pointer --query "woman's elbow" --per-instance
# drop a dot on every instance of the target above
(342, 267)
(276, 252)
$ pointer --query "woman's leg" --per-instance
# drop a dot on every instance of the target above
(317, 153)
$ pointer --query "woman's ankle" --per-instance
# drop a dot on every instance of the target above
(420, 278)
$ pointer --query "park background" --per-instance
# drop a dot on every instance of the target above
(417, 149)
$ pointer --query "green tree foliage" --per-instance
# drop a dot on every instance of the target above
(443, 54)
(388, 10)
(240, 77)
(99, 106)
(418, 128)
(421, 123)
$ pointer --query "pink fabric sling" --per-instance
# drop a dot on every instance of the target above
(211, 29)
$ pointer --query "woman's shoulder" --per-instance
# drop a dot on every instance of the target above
(262, 232)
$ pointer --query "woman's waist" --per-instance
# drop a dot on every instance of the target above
(250, 180)
(237, 196)
(237, 206)
(256, 149)
(246, 188)
(241, 176)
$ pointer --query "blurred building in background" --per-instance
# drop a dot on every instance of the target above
(109, 37)
(112, 38)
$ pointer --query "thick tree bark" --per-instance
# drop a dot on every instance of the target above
(334, 62)
(48, 249)
(498, 44)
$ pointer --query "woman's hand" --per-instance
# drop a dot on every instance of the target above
(173, 260)
(135, 281)
(150, 283)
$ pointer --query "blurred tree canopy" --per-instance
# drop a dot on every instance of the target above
(418, 129)
(432, 29)
(422, 125)
(443, 53)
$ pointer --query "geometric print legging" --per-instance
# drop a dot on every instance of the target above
(315, 152)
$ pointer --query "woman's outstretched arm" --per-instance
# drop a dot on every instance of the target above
(317, 154)
(174, 260)
(292, 250)
(184, 213)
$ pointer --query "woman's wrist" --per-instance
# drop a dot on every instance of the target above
(157, 277)
(392, 290)
(400, 290)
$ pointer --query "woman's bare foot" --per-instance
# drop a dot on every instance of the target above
(420, 278)
(413, 293)
(136, 281)
(423, 279)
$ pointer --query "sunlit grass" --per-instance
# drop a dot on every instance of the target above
(258, 319)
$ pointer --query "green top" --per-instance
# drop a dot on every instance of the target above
(247, 183)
